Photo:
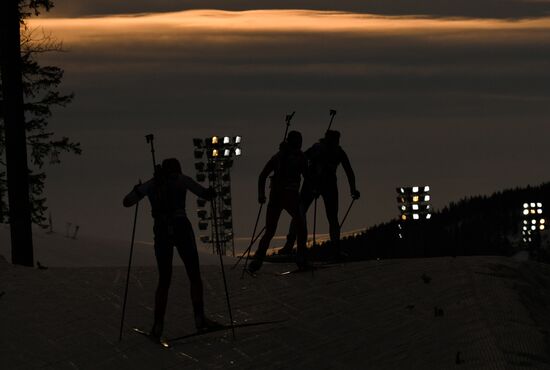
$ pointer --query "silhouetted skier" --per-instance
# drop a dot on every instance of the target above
(289, 165)
(167, 191)
(324, 158)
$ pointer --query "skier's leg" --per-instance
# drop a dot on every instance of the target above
(272, 218)
(306, 198)
(330, 198)
(294, 207)
(164, 253)
(187, 249)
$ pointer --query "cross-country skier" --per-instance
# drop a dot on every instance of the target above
(289, 165)
(324, 158)
(167, 191)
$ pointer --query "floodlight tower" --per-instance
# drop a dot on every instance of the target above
(414, 204)
(533, 223)
(214, 157)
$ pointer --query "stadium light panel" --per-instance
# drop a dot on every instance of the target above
(215, 153)
(226, 152)
(214, 140)
(237, 139)
(226, 140)
(416, 216)
(238, 151)
(416, 198)
(415, 207)
(427, 198)
(415, 189)
(426, 189)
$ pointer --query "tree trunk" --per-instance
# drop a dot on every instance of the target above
(15, 136)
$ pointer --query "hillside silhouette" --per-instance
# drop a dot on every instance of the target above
(478, 225)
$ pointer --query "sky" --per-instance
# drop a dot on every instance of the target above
(455, 95)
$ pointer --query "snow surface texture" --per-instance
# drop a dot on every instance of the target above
(438, 313)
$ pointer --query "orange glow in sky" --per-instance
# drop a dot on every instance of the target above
(265, 21)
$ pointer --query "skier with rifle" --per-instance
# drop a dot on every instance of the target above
(324, 158)
(289, 165)
(167, 191)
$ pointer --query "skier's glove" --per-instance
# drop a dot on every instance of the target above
(355, 194)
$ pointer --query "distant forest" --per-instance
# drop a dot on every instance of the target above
(479, 225)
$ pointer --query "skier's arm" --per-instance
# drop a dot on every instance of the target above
(197, 189)
(138, 192)
(269, 167)
(349, 173)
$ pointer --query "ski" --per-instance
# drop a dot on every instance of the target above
(308, 269)
(162, 342)
(223, 328)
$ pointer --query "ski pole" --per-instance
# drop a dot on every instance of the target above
(217, 242)
(247, 250)
(347, 212)
(252, 238)
(128, 273)
(332, 113)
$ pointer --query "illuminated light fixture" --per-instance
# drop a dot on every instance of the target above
(525, 222)
(237, 139)
(525, 205)
(542, 227)
(214, 140)
(414, 202)
(525, 212)
(539, 205)
(533, 205)
(525, 228)
(238, 151)
(542, 221)
(533, 211)
(539, 211)
(226, 152)
(215, 153)
(428, 216)
(533, 227)
(533, 221)
(226, 140)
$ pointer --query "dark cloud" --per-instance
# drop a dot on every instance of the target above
(461, 107)
(439, 8)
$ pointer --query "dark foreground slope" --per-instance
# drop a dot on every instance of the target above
(484, 312)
